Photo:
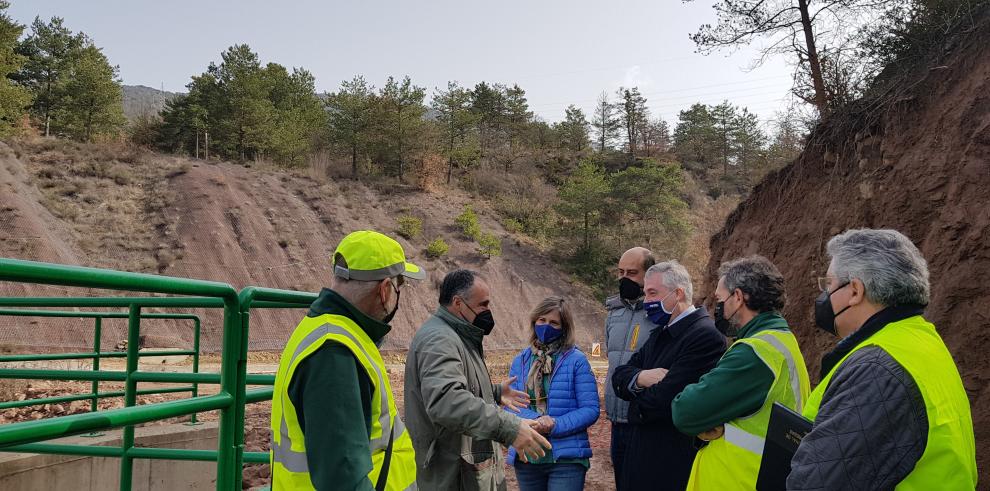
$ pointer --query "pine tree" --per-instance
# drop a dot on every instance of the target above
(584, 200)
(488, 103)
(694, 138)
(632, 115)
(349, 111)
(299, 120)
(574, 129)
(605, 122)
(403, 117)
(749, 144)
(455, 118)
(50, 49)
(724, 121)
(93, 96)
(13, 98)
(248, 113)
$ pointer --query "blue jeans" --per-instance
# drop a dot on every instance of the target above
(550, 477)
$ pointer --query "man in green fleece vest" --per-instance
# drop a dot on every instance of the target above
(730, 406)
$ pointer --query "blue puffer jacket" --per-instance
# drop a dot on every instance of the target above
(573, 402)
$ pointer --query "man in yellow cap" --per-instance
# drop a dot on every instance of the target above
(335, 424)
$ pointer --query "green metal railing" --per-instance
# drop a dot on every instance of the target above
(98, 354)
(184, 294)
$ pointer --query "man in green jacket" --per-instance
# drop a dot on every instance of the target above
(334, 422)
(730, 406)
(452, 406)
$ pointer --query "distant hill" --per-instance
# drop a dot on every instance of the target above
(139, 99)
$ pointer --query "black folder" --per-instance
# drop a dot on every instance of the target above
(784, 434)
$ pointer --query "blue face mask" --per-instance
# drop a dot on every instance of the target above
(656, 312)
(547, 334)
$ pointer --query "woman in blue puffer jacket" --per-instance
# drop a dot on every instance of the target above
(563, 404)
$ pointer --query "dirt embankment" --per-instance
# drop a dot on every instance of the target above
(916, 160)
(134, 210)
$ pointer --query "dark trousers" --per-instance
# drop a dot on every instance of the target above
(550, 477)
(620, 440)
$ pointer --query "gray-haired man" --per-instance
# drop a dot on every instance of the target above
(891, 410)
(683, 347)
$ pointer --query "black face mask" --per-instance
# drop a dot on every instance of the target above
(484, 321)
(389, 316)
(629, 289)
(824, 315)
(721, 323)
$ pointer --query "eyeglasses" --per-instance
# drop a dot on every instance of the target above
(824, 282)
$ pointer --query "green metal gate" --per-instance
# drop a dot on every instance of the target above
(167, 292)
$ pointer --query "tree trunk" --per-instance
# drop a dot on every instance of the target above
(631, 135)
(206, 137)
(354, 169)
(48, 106)
(816, 67)
(401, 137)
(197, 143)
(587, 241)
(450, 157)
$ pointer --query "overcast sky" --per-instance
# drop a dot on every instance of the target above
(560, 52)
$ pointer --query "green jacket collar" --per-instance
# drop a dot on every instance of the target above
(762, 322)
(330, 302)
(465, 330)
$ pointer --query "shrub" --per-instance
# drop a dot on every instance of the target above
(431, 172)
(437, 248)
(468, 222)
(409, 226)
(489, 245)
(512, 225)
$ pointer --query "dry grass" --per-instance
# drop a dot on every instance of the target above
(111, 194)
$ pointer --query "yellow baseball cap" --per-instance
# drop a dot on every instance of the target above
(371, 256)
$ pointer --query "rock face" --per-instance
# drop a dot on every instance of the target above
(918, 163)
(243, 226)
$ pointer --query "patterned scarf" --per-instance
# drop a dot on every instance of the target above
(542, 366)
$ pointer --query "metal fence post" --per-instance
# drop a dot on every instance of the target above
(228, 474)
(130, 394)
(195, 367)
(98, 331)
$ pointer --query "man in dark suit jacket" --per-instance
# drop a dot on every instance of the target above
(677, 354)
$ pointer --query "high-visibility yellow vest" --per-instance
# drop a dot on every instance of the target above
(290, 468)
(949, 460)
(733, 460)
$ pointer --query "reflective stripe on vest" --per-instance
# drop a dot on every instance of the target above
(949, 459)
(742, 438)
(733, 461)
(283, 453)
(795, 376)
